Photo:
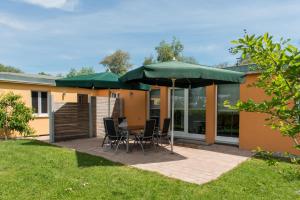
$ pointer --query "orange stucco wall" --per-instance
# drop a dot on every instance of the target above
(164, 104)
(134, 106)
(253, 131)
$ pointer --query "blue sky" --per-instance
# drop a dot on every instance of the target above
(55, 35)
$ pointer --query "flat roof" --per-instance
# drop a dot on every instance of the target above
(242, 68)
(27, 78)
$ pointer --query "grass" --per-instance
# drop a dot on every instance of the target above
(34, 170)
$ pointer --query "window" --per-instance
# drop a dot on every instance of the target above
(39, 102)
(155, 105)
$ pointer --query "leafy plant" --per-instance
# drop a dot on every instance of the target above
(14, 115)
(5, 68)
(266, 155)
(83, 71)
(169, 51)
(118, 62)
(279, 67)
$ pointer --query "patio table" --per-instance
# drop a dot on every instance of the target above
(131, 130)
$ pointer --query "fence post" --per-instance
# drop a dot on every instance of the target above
(51, 119)
(90, 116)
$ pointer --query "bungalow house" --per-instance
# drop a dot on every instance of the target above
(199, 113)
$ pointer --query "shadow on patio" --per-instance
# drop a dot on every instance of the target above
(136, 156)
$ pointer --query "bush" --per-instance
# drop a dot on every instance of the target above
(14, 115)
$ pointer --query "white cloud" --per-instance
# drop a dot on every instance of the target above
(12, 23)
(68, 5)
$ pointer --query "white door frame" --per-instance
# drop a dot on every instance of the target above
(184, 134)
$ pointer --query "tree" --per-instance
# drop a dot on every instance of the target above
(5, 68)
(148, 60)
(170, 51)
(118, 62)
(167, 52)
(279, 67)
(44, 73)
(83, 71)
(14, 115)
(244, 61)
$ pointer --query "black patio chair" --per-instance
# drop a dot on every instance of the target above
(164, 133)
(105, 130)
(156, 128)
(147, 135)
(113, 136)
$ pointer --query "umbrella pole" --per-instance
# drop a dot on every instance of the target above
(173, 103)
(108, 102)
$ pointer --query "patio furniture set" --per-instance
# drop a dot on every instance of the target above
(135, 136)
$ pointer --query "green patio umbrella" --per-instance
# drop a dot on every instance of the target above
(104, 80)
(183, 75)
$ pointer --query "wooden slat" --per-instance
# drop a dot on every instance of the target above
(71, 120)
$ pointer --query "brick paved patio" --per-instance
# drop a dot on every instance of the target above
(199, 164)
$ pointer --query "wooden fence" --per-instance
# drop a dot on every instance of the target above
(71, 120)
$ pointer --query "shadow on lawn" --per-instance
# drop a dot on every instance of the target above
(83, 159)
(36, 143)
(88, 160)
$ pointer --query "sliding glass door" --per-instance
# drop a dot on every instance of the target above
(196, 111)
(227, 119)
(189, 112)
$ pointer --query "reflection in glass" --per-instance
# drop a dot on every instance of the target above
(196, 106)
(178, 109)
(34, 102)
(44, 100)
(228, 120)
(155, 105)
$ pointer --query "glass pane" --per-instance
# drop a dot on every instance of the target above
(197, 102)
(178, 109)
(155, 105)
(44, 101)
(228, 120)
(34, 101)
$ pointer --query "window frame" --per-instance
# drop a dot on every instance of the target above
(39, 111)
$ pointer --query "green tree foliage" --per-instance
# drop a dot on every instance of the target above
(118, 62)
(4, 68)
(83, 71)
(169, 51)
(246, 60)
(279, 64)
(44, 73)
(149, 60)
(14, 115)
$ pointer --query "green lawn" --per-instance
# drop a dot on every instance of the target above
(34, 170)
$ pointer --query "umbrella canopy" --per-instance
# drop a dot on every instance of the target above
(186, 75)
(104, 80)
